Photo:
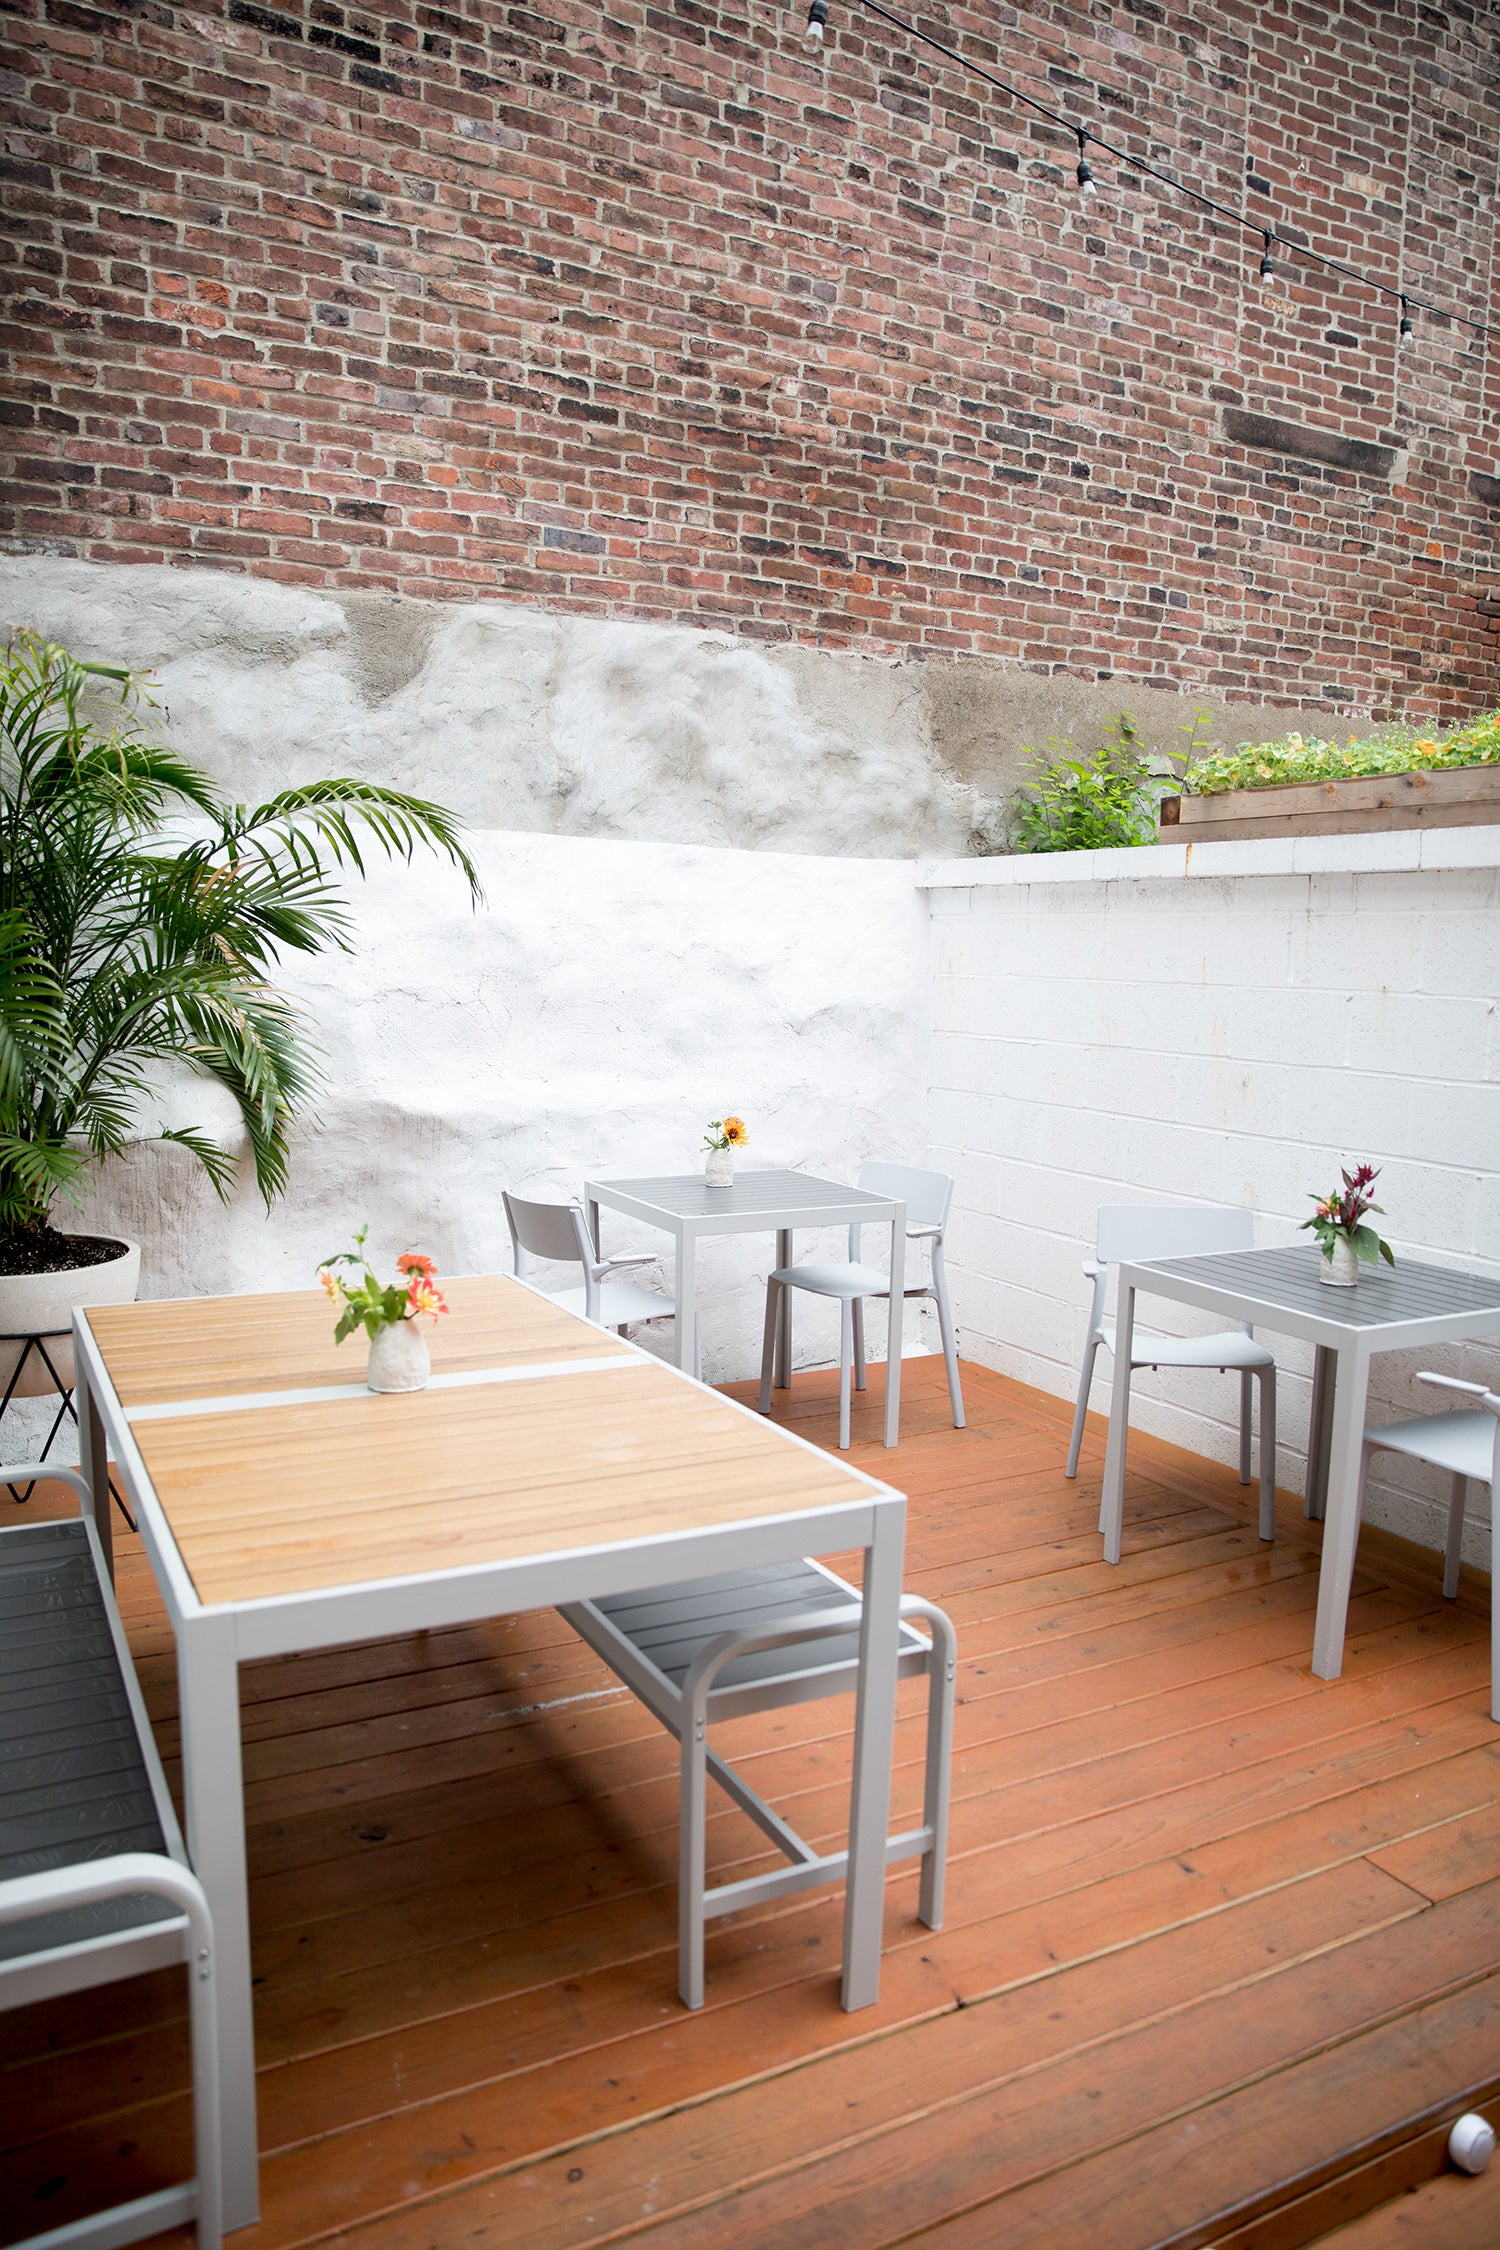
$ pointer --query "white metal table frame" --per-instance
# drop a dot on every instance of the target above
(684, 1206)
(1386, 1311)
(214, 1639)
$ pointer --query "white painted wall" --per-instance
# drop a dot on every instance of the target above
(1136, 1027)
(605, 1003)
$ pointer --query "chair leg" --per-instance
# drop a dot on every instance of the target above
(1494, 1604)
(773, 1295)
(950, 1348)
(697, 1348)
(1267, 1452)
(1085, 1385)
(859, 1343)
(1246, 1385)
(1453, 1551)
(937, 1785)
(846, 1361)
(692, 1856)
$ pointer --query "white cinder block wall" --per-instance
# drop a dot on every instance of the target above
(1137, 1027)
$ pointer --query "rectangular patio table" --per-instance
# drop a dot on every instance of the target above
(686, 1207)
(1390, 1309)
(285, 1507)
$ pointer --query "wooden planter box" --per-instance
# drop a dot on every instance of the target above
(1455, 797)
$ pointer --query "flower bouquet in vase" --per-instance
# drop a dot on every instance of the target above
(1338, 1223)
(390, 1313)
(724, 1136)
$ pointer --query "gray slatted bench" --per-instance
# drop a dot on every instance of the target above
(717, 1648)
(94, 1880)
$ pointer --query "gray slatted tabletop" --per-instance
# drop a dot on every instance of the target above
(73, 1781)
(1286, 1280)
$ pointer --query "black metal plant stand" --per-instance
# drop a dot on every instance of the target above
(32, 1342)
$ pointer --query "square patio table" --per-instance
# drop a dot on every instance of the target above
(285, 1507)
(1390, 1309)
(683, 1205)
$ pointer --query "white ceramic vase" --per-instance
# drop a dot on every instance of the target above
(398, 1358)
(1340, 1267)
(718, 1171)
(41, 1304)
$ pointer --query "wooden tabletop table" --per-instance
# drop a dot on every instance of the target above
(286, 1507)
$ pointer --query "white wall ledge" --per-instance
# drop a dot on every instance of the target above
(1392, 851)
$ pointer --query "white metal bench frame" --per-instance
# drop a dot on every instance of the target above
(687, 1713)
(105, 1956)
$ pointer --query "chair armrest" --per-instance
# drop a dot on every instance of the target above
(616, 1265)
(812, 1625)
(1456, 1383)
(1091, 1271)
(40, 1472)
(924, 1234)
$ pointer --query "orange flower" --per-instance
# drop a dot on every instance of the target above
(412, 1261)
(424, 1297)
(735, 1132)
(330, 1286)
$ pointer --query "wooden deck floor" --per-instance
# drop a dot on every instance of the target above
(1221, 1951)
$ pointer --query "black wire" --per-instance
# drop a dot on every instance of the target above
(1151, 172)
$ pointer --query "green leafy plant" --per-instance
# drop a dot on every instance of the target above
(1339, 1217)
(1078, 801)
(141, 918)
(1296, 757)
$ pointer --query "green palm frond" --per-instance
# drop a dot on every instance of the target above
(123, 946)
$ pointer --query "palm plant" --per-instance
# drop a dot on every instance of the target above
(141, 919)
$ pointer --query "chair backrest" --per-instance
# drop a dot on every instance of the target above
(1147, 1230)
(547, 1230)
(926, 1195)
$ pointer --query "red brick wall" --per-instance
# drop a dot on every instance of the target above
(646, 313)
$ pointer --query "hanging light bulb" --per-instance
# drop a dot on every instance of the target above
(1085, 169)
(1267, 262)
(817, 19)
(1406, 326)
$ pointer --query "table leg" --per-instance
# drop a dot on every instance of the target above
(687, 1299)
(874, 1747)
(213, 1789)
(93, 1460)
(782, 1365)
(1112, 1497)
(894, 1325)
(1341, 1529)
(1320, 1430)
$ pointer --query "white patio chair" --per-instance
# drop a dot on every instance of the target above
(927, 1196)
(560, 1232)
(1466, 1442)
(1140, 1230)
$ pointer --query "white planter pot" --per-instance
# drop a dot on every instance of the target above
(1340, 1267)
(718, 1170)
(398, 1358)
(41, 1304)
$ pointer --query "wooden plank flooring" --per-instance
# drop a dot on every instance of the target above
(1222, 1949)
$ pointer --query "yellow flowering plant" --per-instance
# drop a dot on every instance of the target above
(373, 1304)
(1296, 757)
(726, 1132)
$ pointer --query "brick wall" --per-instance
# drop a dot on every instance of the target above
(646, 313)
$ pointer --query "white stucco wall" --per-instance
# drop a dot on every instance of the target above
(516, 719)
(597, 1010)
(1155, 1027)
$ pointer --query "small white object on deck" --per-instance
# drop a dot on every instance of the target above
(1471, 2143)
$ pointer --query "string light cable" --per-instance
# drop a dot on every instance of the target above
(1087, 138)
